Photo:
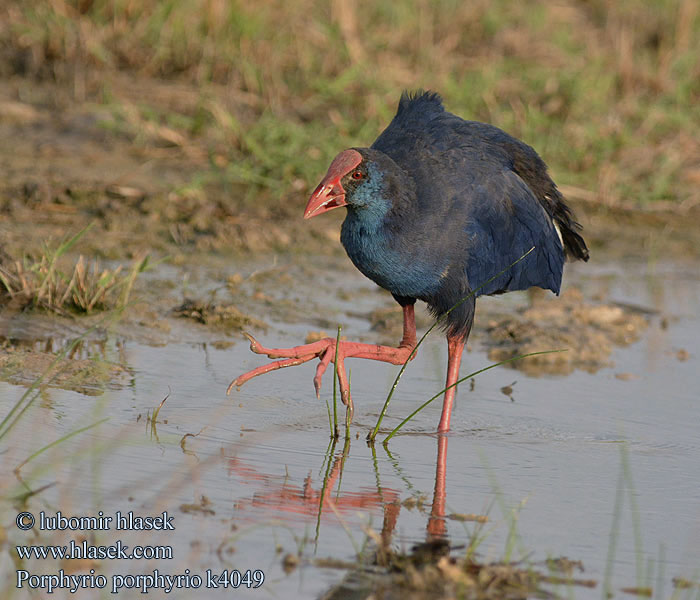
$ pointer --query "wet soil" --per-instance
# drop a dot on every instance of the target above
(70, 164)
(429, 571)
(230, 467)
(222, 317)
(23, 366)
(586, 331)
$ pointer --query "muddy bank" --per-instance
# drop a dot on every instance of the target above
(25, 366)
(144, 186)
(585, 330)
(430, 571)
(276, 298)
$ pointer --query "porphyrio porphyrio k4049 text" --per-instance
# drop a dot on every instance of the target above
(436, 207)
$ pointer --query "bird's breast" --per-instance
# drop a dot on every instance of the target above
(396, 267)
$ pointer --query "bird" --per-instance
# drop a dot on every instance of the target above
(438, 209)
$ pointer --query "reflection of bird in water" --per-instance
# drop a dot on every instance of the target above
(328, 499)
(277, 493)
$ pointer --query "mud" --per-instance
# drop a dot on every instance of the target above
(71, 164)
(223, 317)
(587, 332)
(24, 366)
(429, 570)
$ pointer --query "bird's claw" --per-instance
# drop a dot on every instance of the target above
(254, 345)
(236, 383)
(233, 384)
(324, 349)
(258, 348)
(320, 370)
(330, 356)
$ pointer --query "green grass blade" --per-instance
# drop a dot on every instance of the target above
(636, 523)
(5, 283)
(136, 270)
(70, 242)
(343, 458)
(474, 374)
(58, 441)
(330, 417)
(56, 254)
(5, 424)
(607, 591)
(329, 454)
(8, 421)
(373, 434)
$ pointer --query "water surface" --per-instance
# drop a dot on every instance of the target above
(245, 490)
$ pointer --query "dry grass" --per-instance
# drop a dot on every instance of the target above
(41, 283)
(260, 96)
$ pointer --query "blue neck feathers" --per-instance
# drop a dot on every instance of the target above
(369, 238)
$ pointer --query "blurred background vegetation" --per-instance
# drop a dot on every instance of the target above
(249, 100)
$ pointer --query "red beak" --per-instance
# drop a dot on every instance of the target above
(330, 193)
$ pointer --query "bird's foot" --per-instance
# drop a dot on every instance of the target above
(325, 350)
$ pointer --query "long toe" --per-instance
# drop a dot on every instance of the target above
(320, 370)
(316, 348)
(273, 366)
(343, 381)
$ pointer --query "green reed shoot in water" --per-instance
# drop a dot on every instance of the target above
(373, 434)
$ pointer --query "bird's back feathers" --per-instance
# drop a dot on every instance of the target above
(480, 200)
(423, 126)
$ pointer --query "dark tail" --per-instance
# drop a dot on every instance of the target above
(532, 169)
(574, 245)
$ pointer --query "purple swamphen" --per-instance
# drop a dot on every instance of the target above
(436, 207)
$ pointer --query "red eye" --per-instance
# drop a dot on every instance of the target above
(357, 174)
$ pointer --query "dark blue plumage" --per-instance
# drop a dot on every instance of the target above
(446, 204)
(436, 207)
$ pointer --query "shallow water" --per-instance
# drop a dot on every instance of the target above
(552, 457)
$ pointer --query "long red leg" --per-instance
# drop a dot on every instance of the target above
(409, 327)
(455, 347)
(325, 351)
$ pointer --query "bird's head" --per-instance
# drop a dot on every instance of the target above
(354, 179)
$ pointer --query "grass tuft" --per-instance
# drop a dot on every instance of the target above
(85, 288)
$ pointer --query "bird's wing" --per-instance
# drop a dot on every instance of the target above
(503, 223)
(426, 141)
(469, 190)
